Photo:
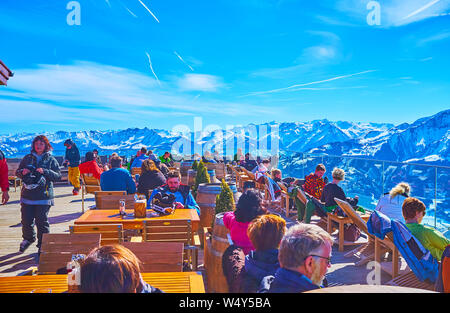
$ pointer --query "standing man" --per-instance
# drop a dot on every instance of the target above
(72, 159)
(4, 182)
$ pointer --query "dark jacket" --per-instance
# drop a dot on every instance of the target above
(286, 281)
(72, 154)
(259, 264)
(331, 191)
(150, 180)
(51, 173)
(117, 179)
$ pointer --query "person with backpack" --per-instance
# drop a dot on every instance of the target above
(182, 193)
(38, 170)
(72, 159)
(4, 182)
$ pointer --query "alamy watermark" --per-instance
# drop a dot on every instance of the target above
(374, 16)
(74, 16)
(225, 143)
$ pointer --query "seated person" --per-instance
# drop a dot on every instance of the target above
(249, 162)
(162, 167)
(150, 178)
(90, 166)
(390, 204)
(117, 178)
(112, 269)
(137, 162)
(304, 256)
(413, 211)
(249, 206)
(166, 159)
(182, 193)
(265, 233)
(315, 183)
(152, 156)
(261, 169)
(97, 158)
(332, 190)
(208, 158)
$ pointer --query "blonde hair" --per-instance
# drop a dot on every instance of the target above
(338, 174)
(401, 188)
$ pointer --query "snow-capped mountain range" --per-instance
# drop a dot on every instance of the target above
(425, 140)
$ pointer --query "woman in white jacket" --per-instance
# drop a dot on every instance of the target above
(390, 204)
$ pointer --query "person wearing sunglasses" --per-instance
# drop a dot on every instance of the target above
(304, 256)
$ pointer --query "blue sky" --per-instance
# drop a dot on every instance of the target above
(159, 63)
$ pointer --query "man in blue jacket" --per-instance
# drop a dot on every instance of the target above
(182, 193)
(137, 162)
(304, 256)
(117, 178)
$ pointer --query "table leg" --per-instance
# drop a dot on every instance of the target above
(341, 236)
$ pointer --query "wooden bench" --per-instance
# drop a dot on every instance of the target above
(185, 282)
(158, 256)
(109, 200)
(173, 231)
(57, 250)
(110, 233)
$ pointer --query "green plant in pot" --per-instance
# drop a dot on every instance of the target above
(225, 200)
(202, 177)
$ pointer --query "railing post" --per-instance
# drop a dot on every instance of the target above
(382, 181)
(435, 197)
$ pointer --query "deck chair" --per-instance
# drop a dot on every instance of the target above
(174, 231)
(269, 195)
(89, 184)
(109, 200)
(158, 256)
(240, 176)
(110, 233)
(57, 250)
(12, 178)
(365, 252)
(285, 207)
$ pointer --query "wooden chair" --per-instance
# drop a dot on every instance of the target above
(57, 250)
(110, 233)
(274, 203)
(109, 200)
(365, 252)
(158, 256)
(13, 165)
(173, 231)
(89, 184)
(240, 176)
(285, 200)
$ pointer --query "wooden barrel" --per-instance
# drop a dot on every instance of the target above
(206, 199)
(214, 249)
(219, 168)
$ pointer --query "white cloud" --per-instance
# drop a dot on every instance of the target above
(91, 93)
(199, 82)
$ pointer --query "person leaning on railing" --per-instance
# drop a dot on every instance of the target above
(413, 211)
(112, 269)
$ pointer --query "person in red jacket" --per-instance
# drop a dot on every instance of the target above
(90, 166)
(4, 182)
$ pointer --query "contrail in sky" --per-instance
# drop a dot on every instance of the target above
(305, 84)
(149, 10)
(183, 60)
(426, 6)
(151, 67)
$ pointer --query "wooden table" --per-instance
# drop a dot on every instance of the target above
(176, 282)
(342, 221)
(369, 289)
(130, 222)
